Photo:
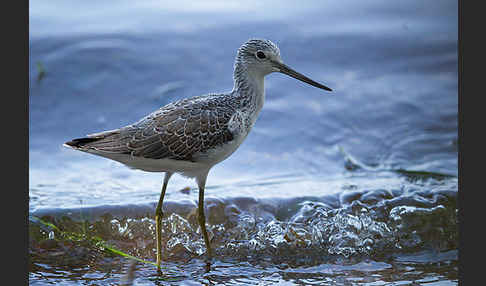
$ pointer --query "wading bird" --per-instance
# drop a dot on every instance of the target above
(192, 135)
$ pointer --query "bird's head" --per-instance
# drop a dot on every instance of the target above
(262, 57)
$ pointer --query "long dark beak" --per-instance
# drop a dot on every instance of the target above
(288, 71)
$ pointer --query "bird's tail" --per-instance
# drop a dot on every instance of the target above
(80, 142)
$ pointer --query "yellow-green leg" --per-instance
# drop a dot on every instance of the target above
(201, 181)
(202, 223)
(158, 220)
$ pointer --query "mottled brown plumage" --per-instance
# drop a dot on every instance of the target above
(182, 130)
(192, 135)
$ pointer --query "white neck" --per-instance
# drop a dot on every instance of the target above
(258, 83)
(250, 85)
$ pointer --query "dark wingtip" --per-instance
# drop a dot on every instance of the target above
(79, 142)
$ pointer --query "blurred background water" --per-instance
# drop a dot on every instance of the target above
(379, 151)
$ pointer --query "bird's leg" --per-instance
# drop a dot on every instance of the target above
(202, 219)
(158, 219)
(202, 222)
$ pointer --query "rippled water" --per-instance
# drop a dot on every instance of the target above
(357, 187)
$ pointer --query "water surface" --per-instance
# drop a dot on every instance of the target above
(354, 187)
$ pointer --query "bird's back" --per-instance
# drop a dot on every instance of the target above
(184, 130)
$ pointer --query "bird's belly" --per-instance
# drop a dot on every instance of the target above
(215, 155)
(155, 165)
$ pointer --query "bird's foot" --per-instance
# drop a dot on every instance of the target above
(208, 260)
(207, 266)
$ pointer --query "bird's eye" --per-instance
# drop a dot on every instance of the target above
(260, 55)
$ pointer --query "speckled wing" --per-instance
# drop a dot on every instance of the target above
(176, 131)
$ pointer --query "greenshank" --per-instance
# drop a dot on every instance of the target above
(192, 135)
